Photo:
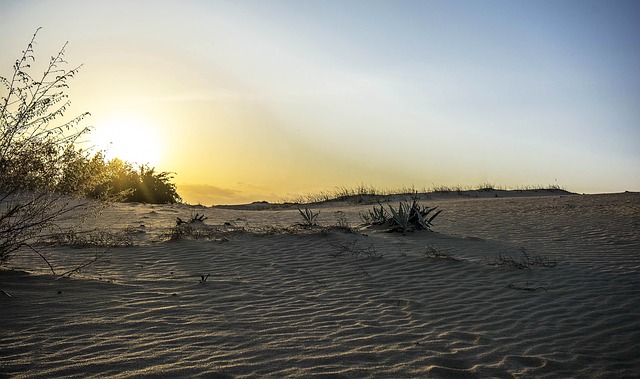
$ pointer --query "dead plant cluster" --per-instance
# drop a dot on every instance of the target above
(435, 253)
(356, 252)
(99, 238)
(523, 262)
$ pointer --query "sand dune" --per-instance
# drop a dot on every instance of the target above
(293, 302)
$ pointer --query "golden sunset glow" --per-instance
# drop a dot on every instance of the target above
(266, 99)
(129, 138)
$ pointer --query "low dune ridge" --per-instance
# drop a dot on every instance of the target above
(507, 287)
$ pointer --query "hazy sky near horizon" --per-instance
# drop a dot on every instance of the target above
(260, 100)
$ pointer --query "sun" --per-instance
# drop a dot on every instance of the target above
(132, 139)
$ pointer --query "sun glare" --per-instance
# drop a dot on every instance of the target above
(130, 139)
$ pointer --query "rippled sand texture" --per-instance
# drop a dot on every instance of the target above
(332, 304)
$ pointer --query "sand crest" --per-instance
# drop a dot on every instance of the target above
(280, 301)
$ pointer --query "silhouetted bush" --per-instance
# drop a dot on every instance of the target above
(41, 168)
(120, 180)
(33, 153)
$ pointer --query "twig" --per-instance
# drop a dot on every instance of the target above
(527, 287)
(85, 264)
(43, 258)
(369, 252)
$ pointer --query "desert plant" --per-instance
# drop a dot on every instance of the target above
(342, 221)
(309, 217)
(32, 151)
(412, 216)
(195, 229)
(375, 216)
(153, 187)
(180, 231)
(524, 262)
(435, 253)
(400, 217)
(143, 185)
(342, 225)
(422, 216)
(356, 252)
(197, 218)
(408, 216)
(82, 173)
(24, 216)
(96, 238)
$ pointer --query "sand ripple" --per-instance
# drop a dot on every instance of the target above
(288, 306)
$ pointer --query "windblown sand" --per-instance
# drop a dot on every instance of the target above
(283, 301)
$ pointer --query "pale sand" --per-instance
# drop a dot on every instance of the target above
(284, 305)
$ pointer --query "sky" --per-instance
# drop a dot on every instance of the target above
(266, 100)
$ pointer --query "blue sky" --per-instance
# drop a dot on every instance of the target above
(252, 100)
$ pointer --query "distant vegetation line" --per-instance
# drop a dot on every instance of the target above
(362, 191)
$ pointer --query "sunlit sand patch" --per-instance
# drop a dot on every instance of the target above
(284, 300)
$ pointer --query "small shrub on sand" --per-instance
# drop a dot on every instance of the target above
(435, 253)
(341, 221)
(180, 232)
(310, 217)
(524, 262)
(210, 233)
(33, 151)
(196, 229)
(375, 216)
(356, 252)
(99, 238)
(194, 219)
(409, 216)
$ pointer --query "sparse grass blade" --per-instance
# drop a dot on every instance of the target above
(429, 221)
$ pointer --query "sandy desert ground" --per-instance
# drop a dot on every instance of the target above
(285, 301)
